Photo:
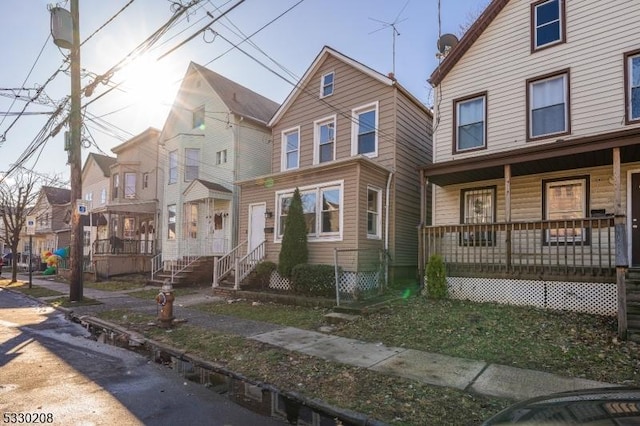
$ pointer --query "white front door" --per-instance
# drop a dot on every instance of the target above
(256, 225)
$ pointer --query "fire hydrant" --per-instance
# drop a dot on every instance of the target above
(165, 301)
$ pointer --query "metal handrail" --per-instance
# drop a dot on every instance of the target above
(225, 264)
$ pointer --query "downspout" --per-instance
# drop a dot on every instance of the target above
(386, 229)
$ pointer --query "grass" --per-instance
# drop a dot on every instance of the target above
(23, 287)
(152, 293)
(66, 303)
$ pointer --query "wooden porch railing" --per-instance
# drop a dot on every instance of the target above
(225, 264)
(248, 263)
(571, 249)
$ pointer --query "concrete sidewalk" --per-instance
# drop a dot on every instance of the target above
(430, 368)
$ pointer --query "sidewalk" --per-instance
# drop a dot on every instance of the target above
(430, 368)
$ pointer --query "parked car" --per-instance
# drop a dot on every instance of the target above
(601, 406)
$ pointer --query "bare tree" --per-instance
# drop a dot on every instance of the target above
(18, 194)
(472, 16)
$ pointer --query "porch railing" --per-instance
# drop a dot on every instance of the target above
(156, 265)
(123, 246)
(225, 264)
(248, 263)
(570, 249)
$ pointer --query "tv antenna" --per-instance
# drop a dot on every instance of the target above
(394, 32)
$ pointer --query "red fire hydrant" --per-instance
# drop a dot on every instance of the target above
(165, 301)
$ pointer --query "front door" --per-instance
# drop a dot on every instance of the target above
(635, 219)
(256, 225)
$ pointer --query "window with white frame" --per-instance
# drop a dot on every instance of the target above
(171, 222)
(326, 85)
(103, 196)
(470, 123)
(116, 185)
(191, 214)
(192, 164)
(291, 149)
(198, 118)
(325, 136)
(632, 92)
(129, 228)
(173, 167)
(86, 238)
(129, 185)
(548, 100)
(478, 208)
(566, 201)
(88, 197)
(364, 139)
(548, 22)
(374, 208)
(322, 209)
(221, 157)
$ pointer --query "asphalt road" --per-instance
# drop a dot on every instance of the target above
(51, 373)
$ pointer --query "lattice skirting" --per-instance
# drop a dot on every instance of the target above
(352, 282)
(278, 282)
(594, 298)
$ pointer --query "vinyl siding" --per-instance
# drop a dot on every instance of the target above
(598, 34)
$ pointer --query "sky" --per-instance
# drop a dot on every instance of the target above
(290, 34)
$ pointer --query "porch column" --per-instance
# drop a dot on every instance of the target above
(507, 211)
(622, 262)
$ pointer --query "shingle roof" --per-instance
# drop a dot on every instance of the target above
(213, 186)
(57, 196)
(104, 162)
(239, 99)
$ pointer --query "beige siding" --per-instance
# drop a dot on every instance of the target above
(500, 62)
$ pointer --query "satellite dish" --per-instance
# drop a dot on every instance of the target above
(447, 42)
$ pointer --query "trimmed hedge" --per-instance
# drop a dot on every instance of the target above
(313, 280)
(436, 278)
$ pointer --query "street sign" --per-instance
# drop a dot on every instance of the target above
(31, 225)
(81, 205)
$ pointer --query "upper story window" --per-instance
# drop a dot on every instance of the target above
(632, 91)
(326, 85)
(171, 222)
(364, 134)
(470, 121)
(103, 196)
(324, 140)
(116, 185)
(88, 196)
(548, 105)
(221, 157)
(173, 167)
(547, 23)
(291, 149)
(198, 118)
(191, 164)
(129, 185)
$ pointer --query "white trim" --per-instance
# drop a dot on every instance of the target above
(378, 235)
(355, 114)
(316, 137)
(283, 148)
(323, 85)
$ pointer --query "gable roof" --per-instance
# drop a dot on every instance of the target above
(322, 56)
(150, 133)
(104, 162)
(239, 99)
(56, 196)
(214, 190)
(470, 37)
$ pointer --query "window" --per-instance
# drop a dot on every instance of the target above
(145, 180)
(364, 138)
(326, 85)
(103, 196)
(547, 23)
(191, 213)
(478, 208)
(221, 157)
(88, 197)
(198, 118)
(632, 81)
(548, 100)
(171, 222)
(470, 116)
(116, 185)
(129, 185)
(173, 167)
(565, 200)
(325, 140)
(86, 238)
(129, 228)
(374, 207)
(322, 209)
(192, 164)
(291, 149)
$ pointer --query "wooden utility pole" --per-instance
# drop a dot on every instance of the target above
(75, 161)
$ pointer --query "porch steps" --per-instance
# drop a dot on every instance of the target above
(633, 304)
(198, 272)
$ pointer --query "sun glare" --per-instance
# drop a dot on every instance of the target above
(148, 83)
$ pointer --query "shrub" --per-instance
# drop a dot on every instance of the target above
(294, 249)
(436, 278)
(313, 280)
(263, 273)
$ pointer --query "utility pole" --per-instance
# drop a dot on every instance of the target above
(75, 161)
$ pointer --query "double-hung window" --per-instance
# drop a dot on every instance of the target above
(221, 157)
(192, 164)
(547, 23)
(565, 203)
(171, 222)
(478, 210)
(116, 186)
(291, 149)
(632, 91)
(326, 85)
(129, 185)
(374, 218)
(173, 167)
(470, 118)
(198, 118)
(325, 138)
(364, 130)
(548, 105)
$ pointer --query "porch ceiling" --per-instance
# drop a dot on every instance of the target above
(555, 156)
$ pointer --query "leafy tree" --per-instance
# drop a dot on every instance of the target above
(294, 249)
